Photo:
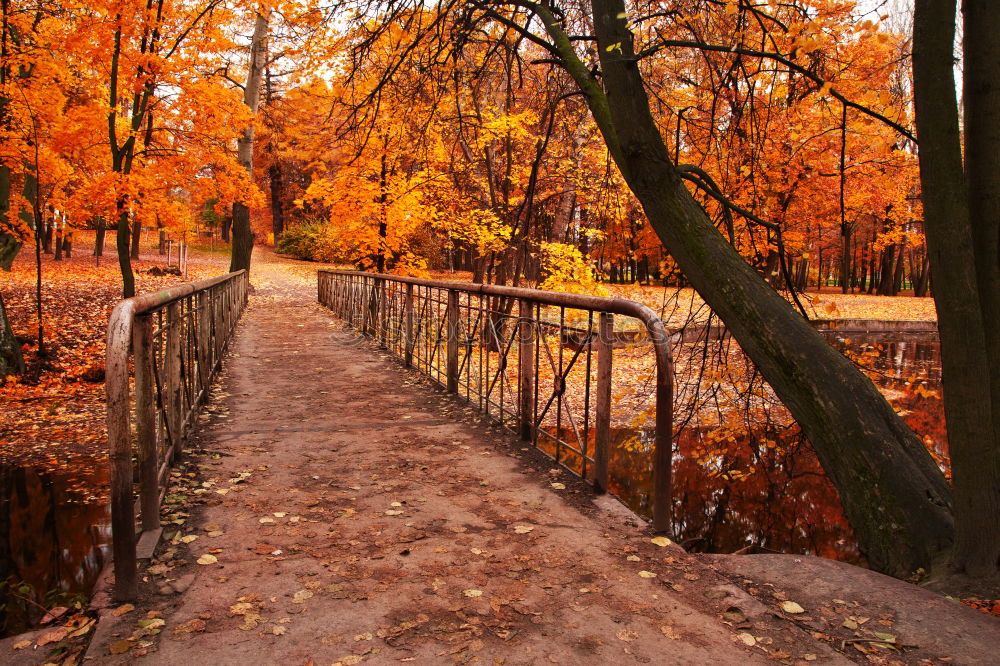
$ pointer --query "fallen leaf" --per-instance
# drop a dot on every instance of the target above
(523, 529)
(669, 632)
(626, 635)
(191, 626)
(301, 596)
(120, 647)
(53, 636)
(189, 538)
(473, 593)
(278, 630)
(647, 574)
(207, 558)
(559, 486)
(20, 645)
(121, 610)
(280, 514)
(747, 639)
(266, 519)
(660, 541)
(792, 607)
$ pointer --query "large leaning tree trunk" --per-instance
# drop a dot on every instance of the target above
(242, 246)
(962, 221)
(894, 495)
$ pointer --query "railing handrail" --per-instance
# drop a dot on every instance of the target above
(658, 336)
(122, 337)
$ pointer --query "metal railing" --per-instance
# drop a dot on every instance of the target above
(522, 357)
(177, 338)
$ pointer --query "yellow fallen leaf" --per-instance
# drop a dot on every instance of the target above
(559, 486)
(633, 558)
(120, 647)
(189, 538)
(301, 596)
(351, 659)
(647, 574)
(207, 558)
(367, 636)
(473, 593)
(626, 635)
(20, 645)
(392, 512)
(280, 514)
(266, 519)
(523, 529)
(660, 541)
(121, 610)
(791, 607)
(278, 630)
(747, 639)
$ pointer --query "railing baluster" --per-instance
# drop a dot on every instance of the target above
(526, 369)
(145, 422)
(408, 331)
(602, 425)
(452, 362)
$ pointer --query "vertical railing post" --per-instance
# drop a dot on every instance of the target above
(408, 327)
(120, 452)
(172, 382)
(145, 422)
(382, 309)
(602, 444)
(663, 456)
(452, 367)
(526, 369)
(204, 339)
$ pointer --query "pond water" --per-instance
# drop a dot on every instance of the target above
(766, 490)
(54, 537)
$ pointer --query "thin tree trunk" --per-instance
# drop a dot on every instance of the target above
(242, 233)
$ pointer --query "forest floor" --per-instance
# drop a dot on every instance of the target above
(335, 508)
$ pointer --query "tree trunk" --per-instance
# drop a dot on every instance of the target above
(9, 246)
(11, 361)
(277, 210)
(136, 237)
(99, 237)
(961, 220)
(242, 233)
(893, 494)
(845, 260)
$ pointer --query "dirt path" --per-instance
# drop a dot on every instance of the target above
(344, 512)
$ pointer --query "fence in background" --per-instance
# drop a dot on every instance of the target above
(177, 339)
(523, 357)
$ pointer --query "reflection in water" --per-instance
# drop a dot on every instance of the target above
(54, 535)
(765, 488)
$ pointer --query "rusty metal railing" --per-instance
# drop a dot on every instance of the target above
(177, 338)
(522, 357)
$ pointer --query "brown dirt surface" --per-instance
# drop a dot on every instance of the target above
(858, 608)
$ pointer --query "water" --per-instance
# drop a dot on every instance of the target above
(54, 536)
(765, 490)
